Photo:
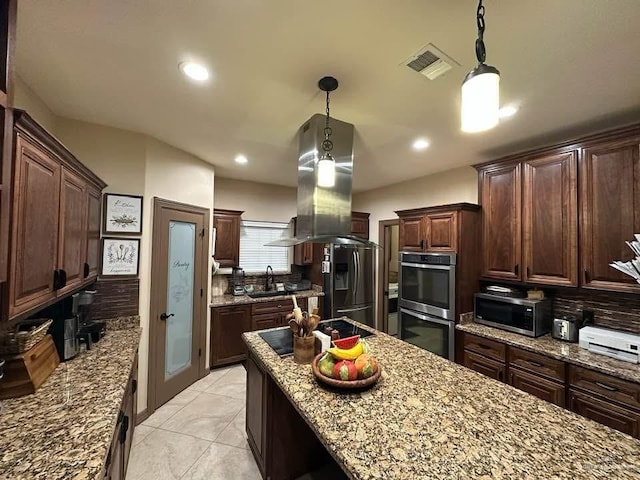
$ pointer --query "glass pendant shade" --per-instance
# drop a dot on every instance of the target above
(480, 99)
(326, 171)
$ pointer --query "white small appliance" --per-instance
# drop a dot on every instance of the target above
(614, 344)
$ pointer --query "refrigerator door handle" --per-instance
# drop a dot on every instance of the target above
(356, 275)
(349, 310)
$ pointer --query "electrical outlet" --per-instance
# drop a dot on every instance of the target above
(587, 317)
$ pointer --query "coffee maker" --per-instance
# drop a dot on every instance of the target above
(237, 278)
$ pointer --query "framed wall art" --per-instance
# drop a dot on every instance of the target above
(120, 257)
(122, 214)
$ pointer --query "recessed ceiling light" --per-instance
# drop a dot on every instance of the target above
(195, 71)
(507, 111)
(241, 159)
(420, 144)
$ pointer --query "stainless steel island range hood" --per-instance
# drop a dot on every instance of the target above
(324, 214)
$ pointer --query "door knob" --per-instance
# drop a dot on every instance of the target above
(164, 316)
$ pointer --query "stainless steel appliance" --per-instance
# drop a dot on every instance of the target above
(65, 336)
(520, 315)
(566, 329)
(427, 283)
(349, 284)
(237, 276)
(426, 290)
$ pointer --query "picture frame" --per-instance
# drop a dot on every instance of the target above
(120, 257)
(122, 214)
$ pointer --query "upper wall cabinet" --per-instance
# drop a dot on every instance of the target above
(227, 239)
(610, 197)
(56, 205)
(592, 183)
(550, 220)
(360, 224)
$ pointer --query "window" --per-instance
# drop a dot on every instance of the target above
(254, 256)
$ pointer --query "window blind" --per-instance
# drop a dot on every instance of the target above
(254, 256)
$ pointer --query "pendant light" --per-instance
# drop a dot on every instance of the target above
(326, 175)
(481, 88)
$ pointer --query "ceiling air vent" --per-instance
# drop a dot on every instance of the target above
(431, 62)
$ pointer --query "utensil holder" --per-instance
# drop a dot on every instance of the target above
(303, 349)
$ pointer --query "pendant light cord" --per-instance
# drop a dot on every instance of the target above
(327, 145)
(481, 53)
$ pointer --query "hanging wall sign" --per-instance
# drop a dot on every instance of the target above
(122, 214)
(120, 257)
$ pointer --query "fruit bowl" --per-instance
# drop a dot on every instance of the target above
(344, 384)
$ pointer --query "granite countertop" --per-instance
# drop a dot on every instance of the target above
(429, 418)
(568, 352)
(226, 300)
(64, 430)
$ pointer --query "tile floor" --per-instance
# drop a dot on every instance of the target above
(199, 434)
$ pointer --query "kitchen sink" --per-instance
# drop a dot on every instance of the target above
(272, 293)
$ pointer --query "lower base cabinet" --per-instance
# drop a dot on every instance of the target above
(282, 443)
(606, 413)
(484, 365)
(547, 390)
(227, 326)
(115, 467)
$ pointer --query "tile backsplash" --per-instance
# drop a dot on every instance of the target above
(223, 284)
(611, 310)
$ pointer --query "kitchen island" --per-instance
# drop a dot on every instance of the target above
(427, 418)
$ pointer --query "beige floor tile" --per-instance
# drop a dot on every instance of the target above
(140, 432)
(235, 433)
(222, 462)
(233, 384)
(163, 455)
(205, 382)
(184, 397)
(205, 417)
(161, 415)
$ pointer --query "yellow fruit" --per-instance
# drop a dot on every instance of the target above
(350, 354)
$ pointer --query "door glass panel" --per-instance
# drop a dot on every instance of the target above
(180, 283)
(424, 334)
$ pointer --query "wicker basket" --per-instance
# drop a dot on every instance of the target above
(16, 342)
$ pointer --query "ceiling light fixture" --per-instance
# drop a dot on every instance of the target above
(241, 159)
(194, 71)
(507, 111)
(481, 88)
(327, 165)
(420, 144)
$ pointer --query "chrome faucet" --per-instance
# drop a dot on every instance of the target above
(269, 285)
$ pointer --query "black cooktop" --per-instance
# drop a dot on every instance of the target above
(281, 339)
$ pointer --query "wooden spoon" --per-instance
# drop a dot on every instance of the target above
(295, 327)
(314, 320)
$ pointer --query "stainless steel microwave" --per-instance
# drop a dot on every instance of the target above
(520, 315)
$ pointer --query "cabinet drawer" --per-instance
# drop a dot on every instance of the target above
(269, 320)
(538, 364)
(612, 388)
(545, 389)
(278, 306)
(483, 365)
(606, 413)
(486, 347)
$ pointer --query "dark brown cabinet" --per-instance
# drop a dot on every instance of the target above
(610, 207)
(484, 365)
(72, 231)
(117, 460)
(411, 233)
(442, 232)
(256, 412)
(35, 232)
(547, 390)
(606, 413)
(303, 252)
(272, 314)
(501, 228)
(550, 220)
(360, 224)
(227, 237)
(227, 326)
(52, 213)
(94, 208)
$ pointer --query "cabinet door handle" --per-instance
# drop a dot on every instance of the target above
(528, 272)
(134, 386)
(63, 278)
(86, 269)
(482, 345)
(535, 364)
(606, 387)
(56, 280)
(516, 269)
(124, 429)
(422, 244)
(500, 375)
(587, 278)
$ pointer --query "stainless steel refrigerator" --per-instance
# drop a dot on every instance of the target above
(349, 284)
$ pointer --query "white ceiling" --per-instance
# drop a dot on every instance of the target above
(570, 65)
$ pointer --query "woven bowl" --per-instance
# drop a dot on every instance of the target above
(344, 384)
